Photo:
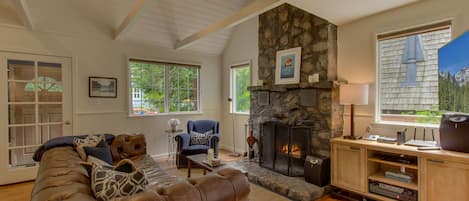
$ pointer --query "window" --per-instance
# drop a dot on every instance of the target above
(408, 74)
(159, 87)
(240, 80)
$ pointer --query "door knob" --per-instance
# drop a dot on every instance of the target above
(67, 123)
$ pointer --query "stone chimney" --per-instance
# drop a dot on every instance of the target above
(311, 104)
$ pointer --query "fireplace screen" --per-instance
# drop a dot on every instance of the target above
(284, 148)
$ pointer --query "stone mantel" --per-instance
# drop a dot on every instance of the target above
(287, 87)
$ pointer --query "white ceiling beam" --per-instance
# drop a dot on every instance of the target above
(23, 13)
(137, 11)
(254, 9)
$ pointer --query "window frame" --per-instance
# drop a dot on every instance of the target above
(232, 82)
(166, 87)
(407, 31)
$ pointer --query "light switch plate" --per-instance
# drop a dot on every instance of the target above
(313, 78)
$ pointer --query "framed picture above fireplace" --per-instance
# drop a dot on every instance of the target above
(287, 69)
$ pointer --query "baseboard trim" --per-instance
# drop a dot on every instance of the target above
(230, 148)
(160, 156)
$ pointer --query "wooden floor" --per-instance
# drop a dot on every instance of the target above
(16, 192)
(22, 191)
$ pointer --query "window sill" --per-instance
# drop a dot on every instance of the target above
(240, 113)
(166, 114)
(417, 125)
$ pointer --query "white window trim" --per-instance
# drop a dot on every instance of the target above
(232, 66)
(409, 124)
(129, 89)
(377, 113)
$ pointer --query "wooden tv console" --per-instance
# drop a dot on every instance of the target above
(440, 175)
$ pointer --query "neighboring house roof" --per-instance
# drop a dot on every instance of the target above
(396, 55)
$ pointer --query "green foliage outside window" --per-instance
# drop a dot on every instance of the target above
(183, 88)
(241, 92)
(149, 79)
(432, 116)
(453, 96)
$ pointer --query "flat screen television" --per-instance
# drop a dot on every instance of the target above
(453, 65)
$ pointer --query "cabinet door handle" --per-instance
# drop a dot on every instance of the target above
(355, 148)
(436, 161)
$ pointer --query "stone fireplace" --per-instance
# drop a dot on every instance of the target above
(311, 105)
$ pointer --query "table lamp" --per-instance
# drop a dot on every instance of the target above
(353, 94)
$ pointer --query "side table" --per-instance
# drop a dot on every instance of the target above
(171, 142)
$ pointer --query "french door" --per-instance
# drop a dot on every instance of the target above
(36, 105)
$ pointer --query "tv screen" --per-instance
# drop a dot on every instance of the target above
(453, 64)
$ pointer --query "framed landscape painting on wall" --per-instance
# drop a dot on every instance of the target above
(102, 87)
(287, 69)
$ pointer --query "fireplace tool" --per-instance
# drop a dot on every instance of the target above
(251, 140)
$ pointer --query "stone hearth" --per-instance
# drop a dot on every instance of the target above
(295, 188)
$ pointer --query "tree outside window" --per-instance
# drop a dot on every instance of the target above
(240, 77)
(158, 87)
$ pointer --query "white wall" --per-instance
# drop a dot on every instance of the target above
(96, 54)
(242, 46)
(357, 45)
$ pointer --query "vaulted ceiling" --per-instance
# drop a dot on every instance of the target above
(194, 25)
(171, 21)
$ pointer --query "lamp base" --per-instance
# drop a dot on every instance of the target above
(352, 137)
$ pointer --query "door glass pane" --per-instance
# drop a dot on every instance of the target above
(21, 92)
(50, 113)
(50, 92)
(35, 106)
(21, 157)
(50, 131)
(20, 70)
(21, 114)
(52, 71)
(22, 136)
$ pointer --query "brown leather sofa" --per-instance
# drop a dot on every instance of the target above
(62, 177)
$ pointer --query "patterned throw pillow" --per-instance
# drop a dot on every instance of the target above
(200, 138)
(93, 160)
(108, 184)
(89, 141)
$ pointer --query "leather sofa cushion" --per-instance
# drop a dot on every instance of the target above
(214, 181)
(182, 191)
(61, 177)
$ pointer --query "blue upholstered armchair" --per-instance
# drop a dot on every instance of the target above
(184, 147)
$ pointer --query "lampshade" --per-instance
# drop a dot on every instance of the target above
(356, 94)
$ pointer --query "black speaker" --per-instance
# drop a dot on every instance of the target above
(318, 170)
(454, 129)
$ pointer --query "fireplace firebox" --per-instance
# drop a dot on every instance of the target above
(284, 148)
